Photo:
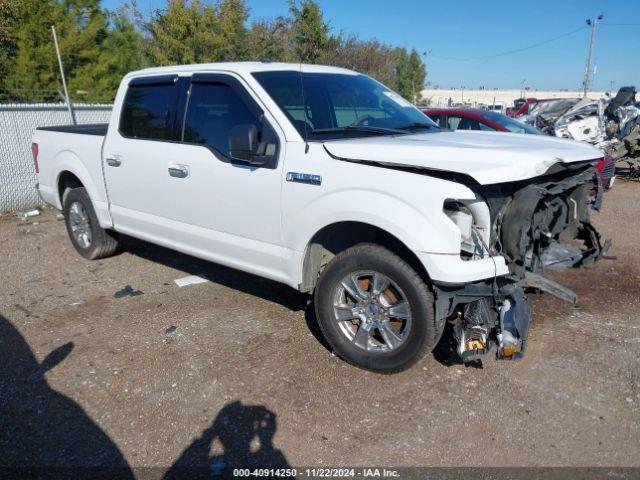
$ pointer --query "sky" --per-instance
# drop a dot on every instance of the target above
(455, 33)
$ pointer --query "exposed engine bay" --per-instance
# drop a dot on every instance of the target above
(536, 225)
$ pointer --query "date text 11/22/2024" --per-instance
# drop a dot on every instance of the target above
(317, 472)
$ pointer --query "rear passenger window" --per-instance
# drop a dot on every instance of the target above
(465, 123)
(149, 112)
(213, 109)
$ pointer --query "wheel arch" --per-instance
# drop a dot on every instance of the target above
(73, 173)
(72, 169)
(66, 181)
(338, 236)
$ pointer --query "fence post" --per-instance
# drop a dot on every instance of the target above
(64, 82)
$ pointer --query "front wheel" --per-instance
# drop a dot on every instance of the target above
(375, 310)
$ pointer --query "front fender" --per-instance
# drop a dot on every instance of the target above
(418, 230)
(413, 215)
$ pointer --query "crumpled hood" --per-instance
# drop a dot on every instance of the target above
(487, 157)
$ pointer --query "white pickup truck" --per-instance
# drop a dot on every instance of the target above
(326, 180)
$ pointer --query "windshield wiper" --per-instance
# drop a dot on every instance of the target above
(360, 128)
(415, 125)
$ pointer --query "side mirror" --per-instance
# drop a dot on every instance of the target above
(242, 142)
(245, 148)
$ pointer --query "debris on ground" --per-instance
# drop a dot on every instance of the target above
(31, 213)
(170, 330)
(128, 291)
(31, 279)
(190, 280)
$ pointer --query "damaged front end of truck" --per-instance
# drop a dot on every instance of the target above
(535, 225)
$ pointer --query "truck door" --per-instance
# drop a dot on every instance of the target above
(140, 148)
(229, 208)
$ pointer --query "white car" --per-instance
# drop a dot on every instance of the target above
(325, 180)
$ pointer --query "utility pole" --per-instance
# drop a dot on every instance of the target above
(587, 72)
(64, 82)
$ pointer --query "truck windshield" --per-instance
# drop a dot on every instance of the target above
(326, 106)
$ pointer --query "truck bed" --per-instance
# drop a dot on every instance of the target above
(99, 129)
(76, 149)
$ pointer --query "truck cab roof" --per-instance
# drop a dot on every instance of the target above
(241, 68)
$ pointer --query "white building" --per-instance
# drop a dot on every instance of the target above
(474, 98)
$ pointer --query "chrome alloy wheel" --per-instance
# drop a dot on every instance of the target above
(372, 311)
(79, 223)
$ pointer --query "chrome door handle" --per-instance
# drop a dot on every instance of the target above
(179, 171)
(114, 161)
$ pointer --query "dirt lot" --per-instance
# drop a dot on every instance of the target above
(234, 369)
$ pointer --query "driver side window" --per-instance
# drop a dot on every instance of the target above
(213, 110)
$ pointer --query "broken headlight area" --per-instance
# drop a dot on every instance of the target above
(489, 318)
(473, 219)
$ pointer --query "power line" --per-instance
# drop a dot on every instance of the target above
(510, 52)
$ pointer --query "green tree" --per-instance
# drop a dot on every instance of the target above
(173, 32)
(271, 40)
(410, 74)
(120, 52)
(192, 32)
(99, 47)
(11, 13)
(371, 57)
(33, 71)
(232, 15)
(310, 33)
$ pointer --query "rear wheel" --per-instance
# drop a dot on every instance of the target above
(89, 239)
(375, 310)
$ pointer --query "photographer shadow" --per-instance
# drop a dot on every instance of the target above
(43, 433)
(241, 436)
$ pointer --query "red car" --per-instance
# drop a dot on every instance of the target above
(476, 119)
(520, 106)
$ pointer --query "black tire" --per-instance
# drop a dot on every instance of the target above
(103, 243)
(424, 332)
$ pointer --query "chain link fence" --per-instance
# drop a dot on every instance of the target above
(18, 121)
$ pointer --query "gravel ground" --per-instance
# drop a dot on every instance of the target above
(234, 369)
